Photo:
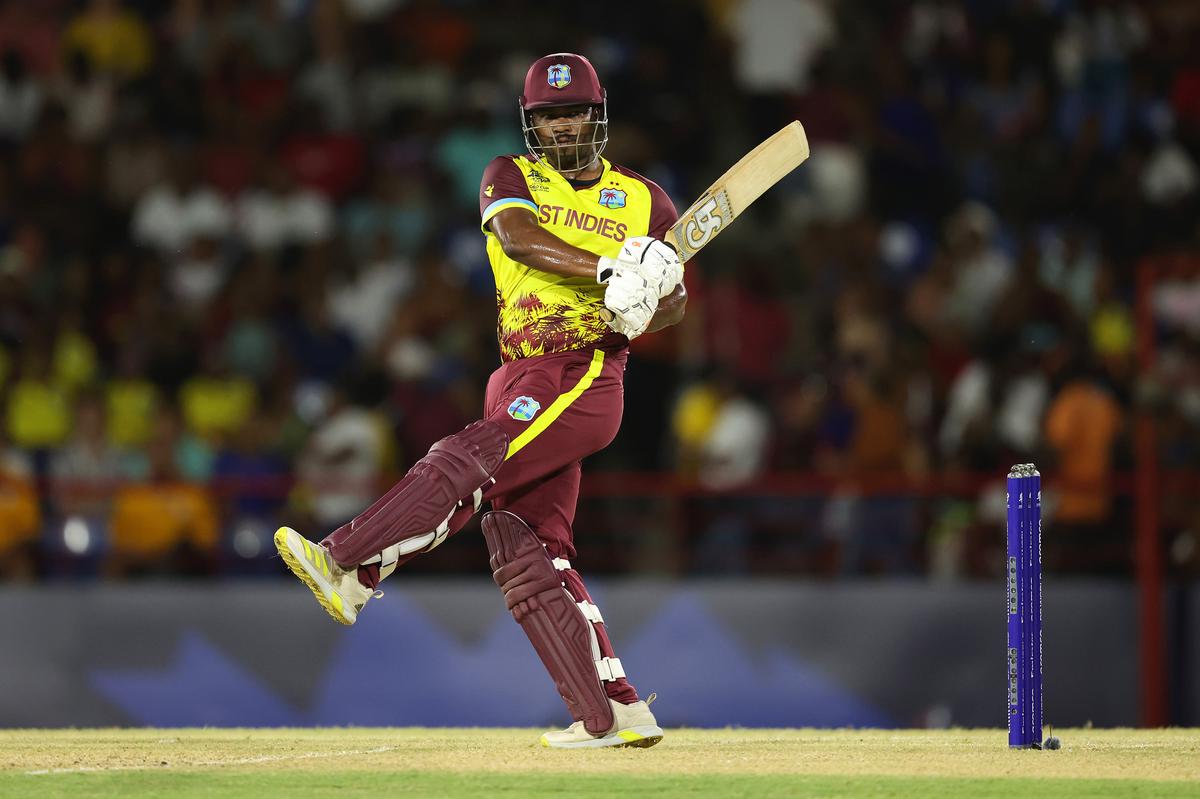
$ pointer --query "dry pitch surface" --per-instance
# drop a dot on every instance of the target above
(346, 763)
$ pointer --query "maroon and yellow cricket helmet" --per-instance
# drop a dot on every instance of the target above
(561, 79)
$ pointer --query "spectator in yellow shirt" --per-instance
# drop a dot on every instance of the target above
(74, 356)
(114, 39)
(39, 409)
(131, 398)
(215, 403)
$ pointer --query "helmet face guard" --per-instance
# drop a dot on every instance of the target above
(568, 158)
(559, 80)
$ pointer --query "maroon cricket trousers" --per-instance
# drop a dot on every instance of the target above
(556, 409)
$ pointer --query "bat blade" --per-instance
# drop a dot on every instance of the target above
(733, 192)
(741, 185)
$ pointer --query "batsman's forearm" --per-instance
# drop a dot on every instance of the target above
(540, 249)
(670, 310)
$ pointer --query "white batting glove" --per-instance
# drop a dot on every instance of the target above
(605, 269)
(632, 302)
(654, 260)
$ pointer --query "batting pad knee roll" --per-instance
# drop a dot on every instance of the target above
(561, 634)
(413, 514)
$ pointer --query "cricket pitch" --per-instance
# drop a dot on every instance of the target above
(353, 762)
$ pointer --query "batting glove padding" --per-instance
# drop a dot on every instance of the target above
(654, 260)
(632, 301)
(605, 268)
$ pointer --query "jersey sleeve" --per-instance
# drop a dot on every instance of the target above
(662, 211)
(503, 186)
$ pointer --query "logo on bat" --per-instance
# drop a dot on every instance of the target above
(705, 221)
(612, 198)
(524, 408)
(558, 75)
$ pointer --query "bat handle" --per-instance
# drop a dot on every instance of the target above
(606, 315)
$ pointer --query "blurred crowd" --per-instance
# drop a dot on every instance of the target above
(242, 279)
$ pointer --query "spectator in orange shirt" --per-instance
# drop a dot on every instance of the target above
(19, 517)
(163, 525)
(880, 532)
(1082, 426)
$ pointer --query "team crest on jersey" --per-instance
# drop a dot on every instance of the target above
(524, 408)
(612, 198)
(558, 75)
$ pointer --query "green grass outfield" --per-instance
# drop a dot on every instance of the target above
(445, 763)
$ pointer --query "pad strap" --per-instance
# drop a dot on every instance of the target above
(607, 668)
(610, 669)
(591, 612)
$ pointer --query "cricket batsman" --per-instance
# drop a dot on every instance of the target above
(575, 246)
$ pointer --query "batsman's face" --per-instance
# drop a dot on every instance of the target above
(567, 135)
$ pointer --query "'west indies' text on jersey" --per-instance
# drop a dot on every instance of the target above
(542, 313)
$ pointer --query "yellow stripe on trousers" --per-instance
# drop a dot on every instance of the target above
(558, 406)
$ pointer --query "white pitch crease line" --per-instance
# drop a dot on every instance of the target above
(239, 761)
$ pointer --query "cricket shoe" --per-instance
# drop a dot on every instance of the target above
(635, 725)
(337, 589)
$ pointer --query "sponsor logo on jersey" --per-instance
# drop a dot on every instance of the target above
(612, 198)
(524, 408)
(558, 76)
(490, 188)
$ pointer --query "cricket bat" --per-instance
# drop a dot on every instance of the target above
(733, 192)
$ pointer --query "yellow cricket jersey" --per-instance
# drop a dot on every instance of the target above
(542, 313)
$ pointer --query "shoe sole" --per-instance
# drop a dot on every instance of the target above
(299, 567)
(641, 737)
